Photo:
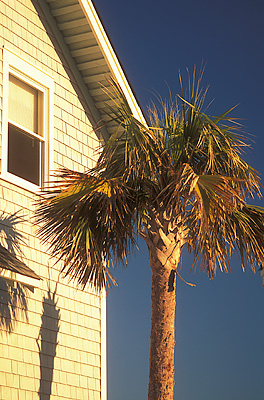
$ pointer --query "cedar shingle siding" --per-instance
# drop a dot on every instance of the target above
(50, 345)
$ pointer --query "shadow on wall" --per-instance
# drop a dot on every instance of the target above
(10, 237)
(47, 343)
(13, 296)
(13, 303)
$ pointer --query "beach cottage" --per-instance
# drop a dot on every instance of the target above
(55, 56)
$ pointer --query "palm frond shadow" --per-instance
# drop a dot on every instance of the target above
(13, 305)
(9, 233)
(13, 296)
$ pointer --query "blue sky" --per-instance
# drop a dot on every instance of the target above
(219, 324)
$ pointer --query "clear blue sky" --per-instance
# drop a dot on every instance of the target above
(219, 323)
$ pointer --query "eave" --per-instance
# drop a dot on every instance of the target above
(10, 262)
(90, 55)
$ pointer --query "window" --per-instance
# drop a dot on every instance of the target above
(27, 127)
(25, 133)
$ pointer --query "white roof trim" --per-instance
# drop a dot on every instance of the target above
(110, 56)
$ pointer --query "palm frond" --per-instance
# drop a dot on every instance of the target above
(132, 151)
(87, 222)
(185, 164)
(247, 230)
(219, 222)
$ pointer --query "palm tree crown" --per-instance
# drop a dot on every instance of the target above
(183, 170)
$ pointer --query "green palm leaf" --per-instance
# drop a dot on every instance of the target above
(88, 221)
(183, 165)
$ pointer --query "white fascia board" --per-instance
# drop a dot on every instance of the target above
(103, 347)
(110, 56)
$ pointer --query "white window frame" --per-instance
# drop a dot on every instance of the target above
(33, 76)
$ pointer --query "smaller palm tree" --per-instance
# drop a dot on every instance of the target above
(178, 180)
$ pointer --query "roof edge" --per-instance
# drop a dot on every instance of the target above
(92, 111)
(111, 57)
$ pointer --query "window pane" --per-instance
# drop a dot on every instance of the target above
(23, 104)
(23, 155)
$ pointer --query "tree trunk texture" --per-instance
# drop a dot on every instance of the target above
(165, 239)
(161, 372)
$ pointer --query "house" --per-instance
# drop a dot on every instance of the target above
(55, 56)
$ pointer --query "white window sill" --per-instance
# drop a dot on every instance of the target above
(15, 277)
(22, 183)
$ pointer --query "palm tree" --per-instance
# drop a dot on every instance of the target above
(178, 180)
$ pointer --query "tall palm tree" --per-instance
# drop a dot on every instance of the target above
(178, 180)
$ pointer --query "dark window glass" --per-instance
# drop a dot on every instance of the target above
(23, 155)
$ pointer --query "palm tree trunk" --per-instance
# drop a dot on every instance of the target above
(165, 237)
(161, 373)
